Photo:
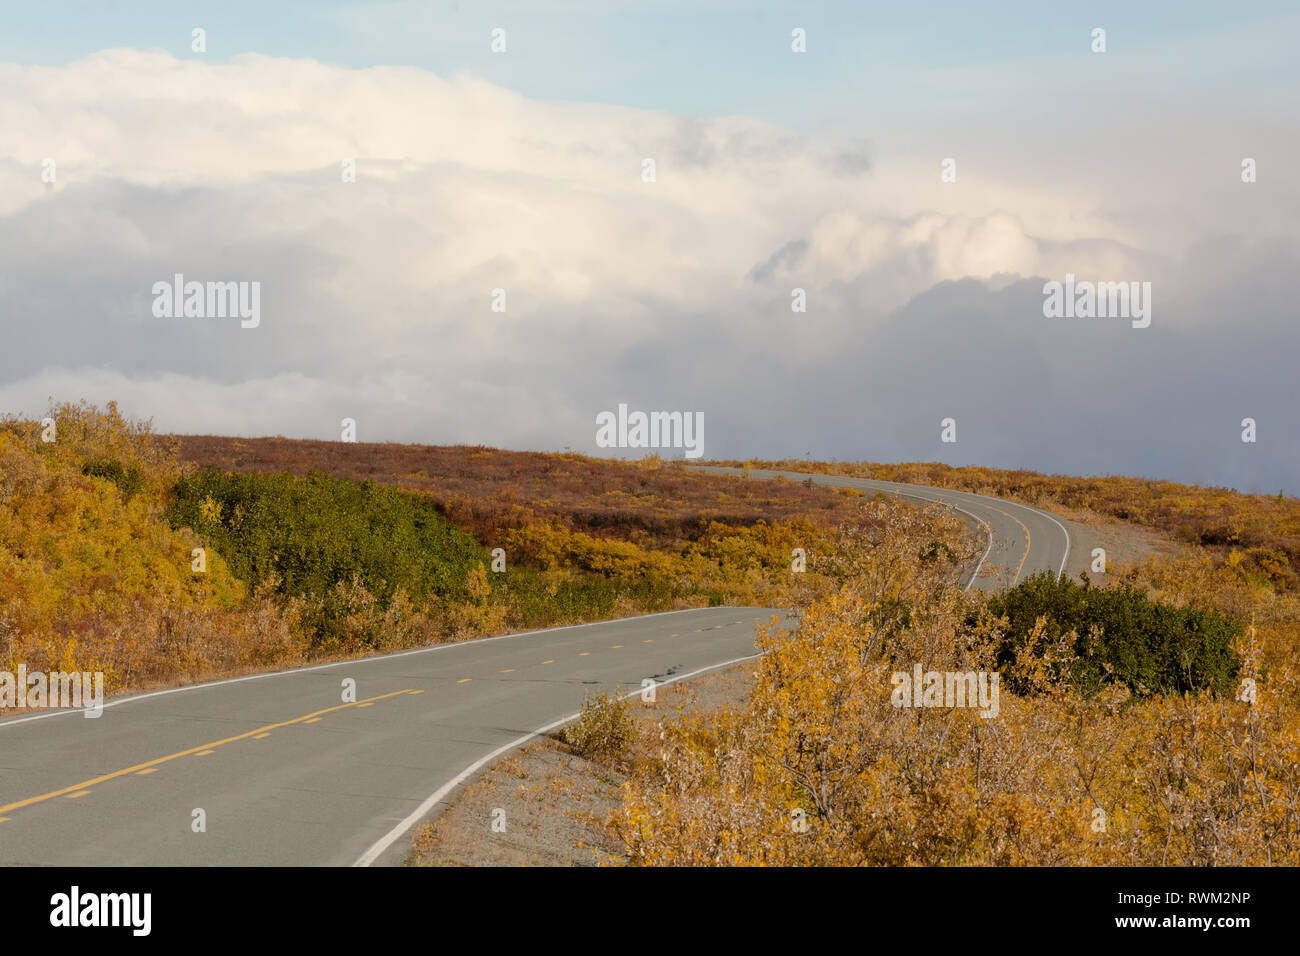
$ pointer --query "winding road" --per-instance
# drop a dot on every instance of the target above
(284, 769)
(1021, 540)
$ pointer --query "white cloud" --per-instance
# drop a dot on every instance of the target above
(672, 294)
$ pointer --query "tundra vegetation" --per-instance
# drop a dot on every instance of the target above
(1258, 534)
(1154, 720)
(315, 550)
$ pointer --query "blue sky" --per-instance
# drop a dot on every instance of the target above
(819, 172)
(699, 57)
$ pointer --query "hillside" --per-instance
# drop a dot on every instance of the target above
(1260, 534)
(158, 559)
(1163, 704)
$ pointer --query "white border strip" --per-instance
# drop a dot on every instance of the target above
(1046, 514)
(988, 530)
(354, 661)
(709, 469)
(416, 815)
(884, 491)
(396, 833)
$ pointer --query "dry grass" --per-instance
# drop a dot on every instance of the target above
(486, 491)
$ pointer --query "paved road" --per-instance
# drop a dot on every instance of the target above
(1021, 539)
(286, 772)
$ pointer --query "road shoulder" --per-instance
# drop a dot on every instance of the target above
(545, 805)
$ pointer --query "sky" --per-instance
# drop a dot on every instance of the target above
(524, 170)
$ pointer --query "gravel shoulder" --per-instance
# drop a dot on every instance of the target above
(551, 807)
(1126, 545)
(546, 806)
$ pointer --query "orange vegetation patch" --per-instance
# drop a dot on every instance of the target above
(486, 490)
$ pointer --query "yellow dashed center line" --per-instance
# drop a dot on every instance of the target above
(369, 703)
(508, 670)
(616, 647)
(551, 661)
(204, 753)
(584, 653)
(647, 642)
(312, 721)
(80, 789)
(79, 793)
(147, 771)
(464, 680)
(255, 737)
(1028, 540)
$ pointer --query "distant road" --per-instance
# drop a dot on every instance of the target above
(1021, 540)
(287, 773)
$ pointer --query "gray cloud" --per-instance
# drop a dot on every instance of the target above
(673, 295)
(786, 258)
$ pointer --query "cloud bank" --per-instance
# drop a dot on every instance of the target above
(924, 299)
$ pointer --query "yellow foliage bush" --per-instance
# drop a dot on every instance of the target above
(555, 547)
(818, 767)
(91, 577)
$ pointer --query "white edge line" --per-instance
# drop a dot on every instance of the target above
(396, 833)
(1065, 557)
(988, 530)
(356, 661)
(479, 640)
(974, 494)
(416, 815)
(1038, 511)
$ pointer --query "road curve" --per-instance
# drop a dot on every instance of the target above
(1021, 540)
(283, 770)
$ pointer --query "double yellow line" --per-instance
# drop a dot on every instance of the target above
(1028, 540)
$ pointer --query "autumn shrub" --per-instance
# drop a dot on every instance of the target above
(1269, 566)
(1120, 634)
(93, 579)
(156, 642)
(542, 599)
(552, 546)
(562, 575)
(76, 555)
(819, 767)
(604, 729)
(84, 436)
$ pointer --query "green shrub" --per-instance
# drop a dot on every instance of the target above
(535, 601)
(1122, 635)
(129, 480)
(327, 538)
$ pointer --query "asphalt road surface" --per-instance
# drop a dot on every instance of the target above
(280, 769)
(1021, 540)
